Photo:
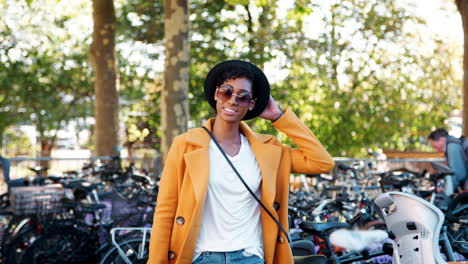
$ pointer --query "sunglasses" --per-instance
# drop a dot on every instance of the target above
(225, 93)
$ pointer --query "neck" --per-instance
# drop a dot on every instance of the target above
(226, 132)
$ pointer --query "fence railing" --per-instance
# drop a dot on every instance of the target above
(19, 166)
(344, 159)
(57, 166)
(412, 164)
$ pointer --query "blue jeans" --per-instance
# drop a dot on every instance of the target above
(234, 257)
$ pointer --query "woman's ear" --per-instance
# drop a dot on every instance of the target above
(252, 105)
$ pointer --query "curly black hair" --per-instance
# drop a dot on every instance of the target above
(236, 72)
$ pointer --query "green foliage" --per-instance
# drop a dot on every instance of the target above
(140, 27)
(51, 91)
(236, 30)
(367, 78)
(141, 120)
(45, 84)
(50, 83)
(18, 144)
(8, 70)
(139, 98)
(141, 20)
(362, 82)
(366, 86)
(61, 87)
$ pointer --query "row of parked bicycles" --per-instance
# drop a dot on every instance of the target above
(73, 218)
(103, 214)
(397, 216)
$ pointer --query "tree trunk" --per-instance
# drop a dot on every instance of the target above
(174, 102)
(462, 6)
(104, 61)
(129, 146)
(46, 151)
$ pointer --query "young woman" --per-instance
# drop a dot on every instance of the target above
(204, 213)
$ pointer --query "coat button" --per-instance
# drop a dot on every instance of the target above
(280, 239)
(276, 205)
(180, 220)
(171, 255)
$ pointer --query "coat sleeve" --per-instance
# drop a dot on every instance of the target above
(311, 156)
(166, 205)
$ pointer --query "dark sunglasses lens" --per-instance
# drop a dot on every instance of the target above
(225, 93)
(244, 100)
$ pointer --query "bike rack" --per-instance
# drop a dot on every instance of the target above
(141, 248)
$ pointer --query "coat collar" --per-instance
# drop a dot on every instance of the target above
(199, 137)
(268, 157)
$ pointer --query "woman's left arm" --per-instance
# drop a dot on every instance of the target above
(311, 156)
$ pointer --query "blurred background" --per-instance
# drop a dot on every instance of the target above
(82, 78)
(85, 82)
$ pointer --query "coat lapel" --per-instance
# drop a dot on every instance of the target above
(198, 160)
(268, 157)
(198, 166)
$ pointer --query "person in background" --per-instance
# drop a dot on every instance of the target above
(441, 141)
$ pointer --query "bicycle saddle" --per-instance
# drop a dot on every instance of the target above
(38, 169)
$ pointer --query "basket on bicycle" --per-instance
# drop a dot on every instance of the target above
(128, 211)
(38, 200)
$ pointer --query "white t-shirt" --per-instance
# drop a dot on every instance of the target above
(231, 218)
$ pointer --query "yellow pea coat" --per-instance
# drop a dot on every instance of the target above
(184, 184)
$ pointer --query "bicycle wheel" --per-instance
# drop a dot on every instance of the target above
(130, 248)
(65, 242)
(18, 236)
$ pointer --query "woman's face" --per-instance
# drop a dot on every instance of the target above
(233, 109)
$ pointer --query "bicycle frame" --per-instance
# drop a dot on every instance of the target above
(116, 244)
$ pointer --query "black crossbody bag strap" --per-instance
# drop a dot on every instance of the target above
(246, 186)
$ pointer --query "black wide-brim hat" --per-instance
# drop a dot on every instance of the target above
(260, 85)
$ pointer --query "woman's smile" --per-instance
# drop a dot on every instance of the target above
(229, 111)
